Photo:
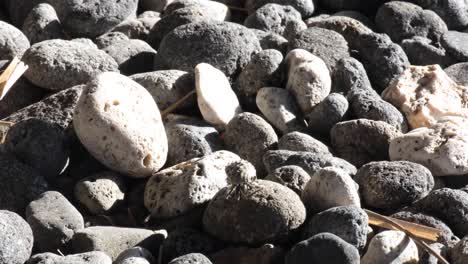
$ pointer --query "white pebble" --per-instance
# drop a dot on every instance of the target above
(391, 247)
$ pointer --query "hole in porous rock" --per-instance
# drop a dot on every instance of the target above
(147, 160)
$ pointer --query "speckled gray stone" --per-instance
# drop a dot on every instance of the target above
(270, 40)
(42, 24)
(291, 176)
(459, 253)
(13, 43)
(191, 258)
(453, 12)
(327, 113)
(297, 141)
(459, 73)
(305, 7)
(93, 257)
(422, 51)
(109, 38)
(17, 238)
(132, 56)
(454, 42)
(272, 17)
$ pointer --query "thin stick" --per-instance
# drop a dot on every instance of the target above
(416, 239)
(177, 104)
(11, 75)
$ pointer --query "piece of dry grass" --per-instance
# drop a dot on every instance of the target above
(11, 75)
(175, 105)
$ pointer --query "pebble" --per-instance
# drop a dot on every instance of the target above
(13, 42)
(216, 100)
(393, 184)
(458, 73)
(109, 38)
(272, 17)
(297, 141)
(133, 56)
(167, 87)
(459, 253)
(291, 176)
(323, 246)
(430, 84)
(53, 220)
(453, 12)
(42, 23)
(361, 17)
(323, 43)
(178, 189)
(361, 141)
(136, 255)
(237, 212)
(305, 7)
(351, 29)
(441, 148)
(17, 238)
(58, 64)
(427, 258)
(308, 78)
(190, 138)
(279, 107)
(191, 258)
(270, 40)
(250, 136)
(401, 20)
(293, 28)
(113, 104)
(224, 45)
(422, 51)
(114, 240)
(327, 113)
(350, 223)
(93, 257)
(266, 254)
(215, 10)
(453, 42)
(330, 187)
(100, 193)
(240, 172)
(391, 247)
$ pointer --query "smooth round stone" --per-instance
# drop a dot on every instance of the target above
(272, 17)
(391, 247)
(53, 220)
(40, 144)
(327, 113)
(393, 184)
(279, 107)
(136, 255)
(179, 189)
(350, 223)
(93, 257)
(305, 7)
(250, 136)
(297, 141)
(119, 123)
(330, 187)
(101, 193)
(308, 78)
(361, 141)
(13, 43)
(17, 238)
(42, 24)
(459, 73)
(454, 43)
(459, 253)
(422, 51)
(291, 176)
(237, 212)
(59, 64)
(224, 45)
(191, 258)
(132, 56)
(453, 12)
(217, 102)
(167, 87)
(321, 247)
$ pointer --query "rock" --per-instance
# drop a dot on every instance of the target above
(17, 238)
(224, 45)
(327, 113)
(364, 19)
(308, 78)
(266, 254)
(190, 138)
(191, 258)
(391, 247)
(59, 64)
(93, 257)
(293, 28)
(167, 87)
(422, 51)
(279, 107)
(240, 172)
(330, 187)
(459, 253)
(270, 40)
(453, 42)
(113, 240)
(305, 7)
(350, 223)
(272, 17)
(401, 20)
(107, 39)
(178, 189)
(442, 148)
(13, 42)
(136, 255)
(53, 220)
(393, 184)
(216, 100)
(442, 97)
(297, 141)
(323, 43)
(250, 136)
(115, 105)
(453, 12)
(136, 28)
(133, 56)
(101, 193)
(361, 141)
(428, 258)
(320, 247)
(351, 29)
(42, 24)
(236, 215)
(22, 182)
(291, 176)
(458, 73)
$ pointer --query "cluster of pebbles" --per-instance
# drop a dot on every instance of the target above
(233, 131)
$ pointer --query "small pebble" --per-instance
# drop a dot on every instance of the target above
(305, 7)
(133, 56)
(13, 42)
(391, 247)
(458, 73)
(42, 24)
(327, 113)
(272, 18)
(297, 141)
(191, 258)
(93, 257)
(270, 40)
(17, 238)
(291, 176)
(136, 255)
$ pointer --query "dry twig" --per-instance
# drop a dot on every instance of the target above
(177, 104)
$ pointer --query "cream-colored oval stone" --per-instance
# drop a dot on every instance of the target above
(119, 123)
(392, 247)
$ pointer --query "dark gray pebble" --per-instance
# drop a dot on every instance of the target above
(191, 258)
(327, 113)
(273, 18)
(291, 176)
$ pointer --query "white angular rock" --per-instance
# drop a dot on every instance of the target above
(217, 101)
(119, 123)
(308, 78)
(180, 188)
(426, 94)
(392, 247)
(330, 187)
(443, 148)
